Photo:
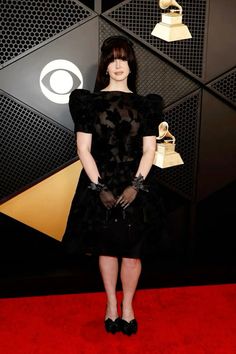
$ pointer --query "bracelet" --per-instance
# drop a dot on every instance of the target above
(137, 184)
(98, 187)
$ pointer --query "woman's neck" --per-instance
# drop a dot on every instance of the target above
(117, 86)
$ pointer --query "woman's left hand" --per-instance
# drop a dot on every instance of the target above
(127, 197)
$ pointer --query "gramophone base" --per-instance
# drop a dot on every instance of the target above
(171, 33)
(167, 160)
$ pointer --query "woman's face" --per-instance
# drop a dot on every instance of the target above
(118, 69)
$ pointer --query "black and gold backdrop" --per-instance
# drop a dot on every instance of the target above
(196, 77)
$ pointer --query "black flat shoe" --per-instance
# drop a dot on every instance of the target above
(113, 326)
(129, 328)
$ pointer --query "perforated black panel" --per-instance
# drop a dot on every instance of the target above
(139, 17)
(32, 146)
(225, 85)
(154, 75)
(26, 24)
(183, 119)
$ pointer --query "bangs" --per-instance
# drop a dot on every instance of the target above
(118, 52)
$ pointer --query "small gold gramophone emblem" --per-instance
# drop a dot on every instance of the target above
(165, 155)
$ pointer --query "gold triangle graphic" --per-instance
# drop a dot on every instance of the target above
(45, 206)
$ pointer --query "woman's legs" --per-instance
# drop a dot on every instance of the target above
(130, 272)
(109, 271)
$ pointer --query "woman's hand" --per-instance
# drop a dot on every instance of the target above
(127, 197)
(107, 199)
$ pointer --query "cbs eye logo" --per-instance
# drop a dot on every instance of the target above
(61, 76)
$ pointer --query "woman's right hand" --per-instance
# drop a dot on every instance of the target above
(107, 199)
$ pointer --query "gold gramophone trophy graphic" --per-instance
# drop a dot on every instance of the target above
(165, 155)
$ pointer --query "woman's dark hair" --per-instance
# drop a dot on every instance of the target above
(116, 47)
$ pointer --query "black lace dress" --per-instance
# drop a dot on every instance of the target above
(117, 121)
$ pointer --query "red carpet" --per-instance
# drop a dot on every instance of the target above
(189, 320)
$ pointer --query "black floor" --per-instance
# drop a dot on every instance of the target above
(34, 264)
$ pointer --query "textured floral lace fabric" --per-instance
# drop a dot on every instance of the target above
(118, 121)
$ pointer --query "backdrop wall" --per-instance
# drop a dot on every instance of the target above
(51, 47)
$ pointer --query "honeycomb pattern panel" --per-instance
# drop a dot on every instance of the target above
(139, 17)
(32, 146)
(26, 24)
(155, 75)
(225, 85)
(183, 119)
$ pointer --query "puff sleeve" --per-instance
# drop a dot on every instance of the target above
(80, 110)
(152, 114)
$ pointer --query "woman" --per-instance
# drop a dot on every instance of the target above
(116, 211)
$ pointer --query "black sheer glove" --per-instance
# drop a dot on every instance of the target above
(106, 196)
(127, 197)
(107, 199)
(138, 184)
(98, 187)
(130, 193)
